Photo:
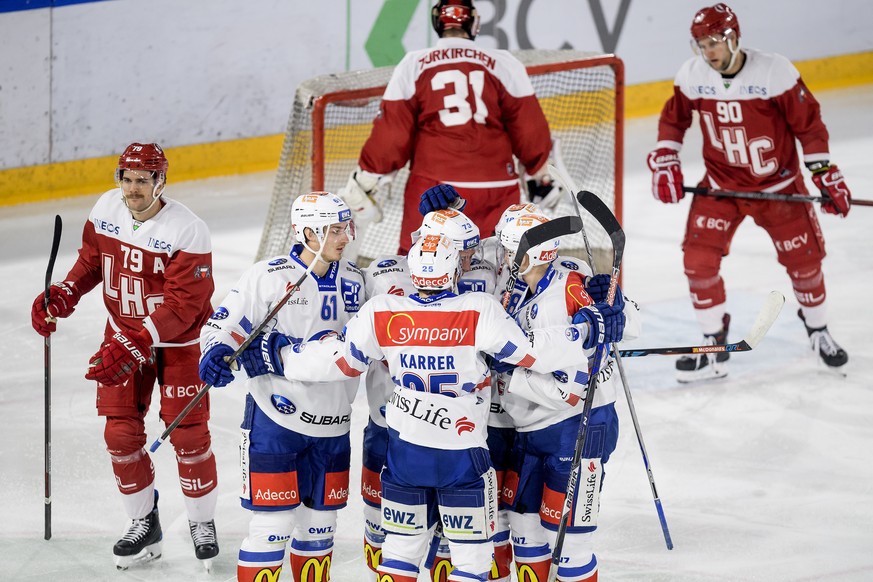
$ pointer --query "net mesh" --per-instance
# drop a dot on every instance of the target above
(580, 94)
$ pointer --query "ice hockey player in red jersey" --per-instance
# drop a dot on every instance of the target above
(752, 106)
(152, 258)
(458, 112)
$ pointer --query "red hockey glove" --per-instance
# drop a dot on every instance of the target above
(121, 356)
(829, 180)
(63, 298)
(666, 175)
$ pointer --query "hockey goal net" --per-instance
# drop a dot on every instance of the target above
(582, 95)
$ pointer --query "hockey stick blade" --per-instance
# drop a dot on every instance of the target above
(768, 314)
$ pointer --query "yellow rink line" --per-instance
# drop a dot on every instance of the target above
(93, 175)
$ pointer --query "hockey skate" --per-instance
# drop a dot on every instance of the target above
(706, 366)
(205, 541)
(141, 542)
(829, 352)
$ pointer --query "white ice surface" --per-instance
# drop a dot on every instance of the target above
(765, 475)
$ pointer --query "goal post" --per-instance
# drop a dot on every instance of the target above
(581, 94)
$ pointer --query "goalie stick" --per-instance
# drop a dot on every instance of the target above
(47, 438)
(604, 216)
(768, 314)
(537, 235)
(560, 172)
(768, 196)
(232, 358)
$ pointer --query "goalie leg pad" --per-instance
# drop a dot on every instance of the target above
(262, 552)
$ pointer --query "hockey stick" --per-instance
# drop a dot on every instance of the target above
(564, 177)
(232, 358)
(56, 242)
(768, 314)
(604, 216)
(557, 227)
(768, 196)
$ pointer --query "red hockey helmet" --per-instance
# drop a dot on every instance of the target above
(715, 21)
(455, 14)
(148, 157)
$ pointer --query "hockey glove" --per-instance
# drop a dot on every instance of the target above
(605, 324)
(544, 192)
(117, 359)
(271, 346)
(829, 180)
(63, 297)
(251, 359)
(666, 175)
(598, 288)
(358, 194)
(440, 197)
(214, 368)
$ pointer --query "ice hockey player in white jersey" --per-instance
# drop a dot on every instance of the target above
(546, 409)
(295, 449)
(434, 343)
(390, 274)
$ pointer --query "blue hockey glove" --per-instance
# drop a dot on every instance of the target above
(251, 359)
(270, 346)
(606, 324)
(440, 197)
(214, 370)
(598, 287)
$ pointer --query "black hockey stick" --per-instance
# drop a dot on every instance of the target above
(604, 216)
(768, 314)
(561, 174)
(232, 358)
(537, 235)
(56, 242)
(768, 196)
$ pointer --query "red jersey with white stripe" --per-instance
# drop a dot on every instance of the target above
(749, 122)
(458, 112)
(156, 274)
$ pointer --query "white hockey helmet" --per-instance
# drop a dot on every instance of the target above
(317, 211)
(455, 225)
(434, 262)
(513, 212)
(510, 237)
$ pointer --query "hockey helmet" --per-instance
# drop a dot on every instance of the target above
(461, 14)
(433, 263)
(318, 211)
(148, 157)
(510, 237)
(455, 225)
(716, 21)
(513, 212)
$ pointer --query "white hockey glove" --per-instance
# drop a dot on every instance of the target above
(542, 190)
(358, 194)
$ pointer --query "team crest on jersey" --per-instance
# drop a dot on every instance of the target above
(572, 334)
(202, 272)
(220, 313)
(570, 265)
(351, 291)
(282, 404)
(534, 310)
(275, 262)
(386, 263)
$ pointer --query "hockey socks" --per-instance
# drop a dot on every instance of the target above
(310, 560)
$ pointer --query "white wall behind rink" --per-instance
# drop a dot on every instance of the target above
(84, 80)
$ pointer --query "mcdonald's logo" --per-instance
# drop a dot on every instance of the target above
(527, 574)
(441, 569)
(315, 570)
(373, 556)
(267, 575)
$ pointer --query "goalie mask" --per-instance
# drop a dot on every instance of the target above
(144, 157)
(447, 14)
(718, 23)
(318, 211)
(510, 237)
(434, 263)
